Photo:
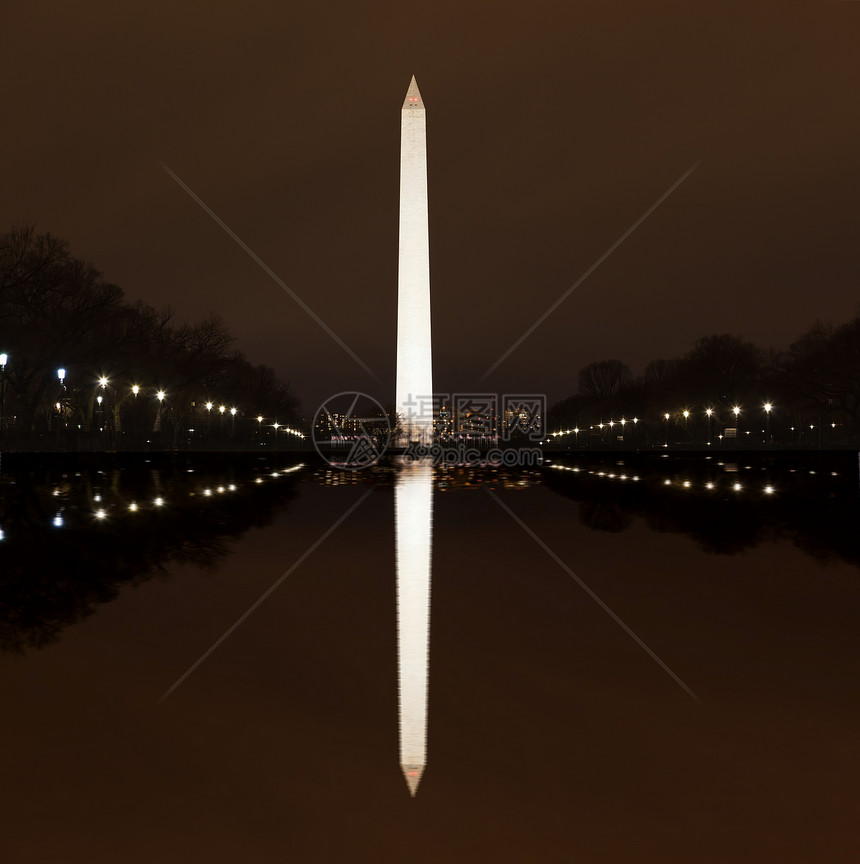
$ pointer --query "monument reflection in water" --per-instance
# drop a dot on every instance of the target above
(413, 515)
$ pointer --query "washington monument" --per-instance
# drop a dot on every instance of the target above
(414, 388)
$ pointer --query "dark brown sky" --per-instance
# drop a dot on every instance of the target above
(551, 127)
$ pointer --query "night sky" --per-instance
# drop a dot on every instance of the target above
(552, 127)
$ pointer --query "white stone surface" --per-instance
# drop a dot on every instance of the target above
(413, 518)
(414, 387)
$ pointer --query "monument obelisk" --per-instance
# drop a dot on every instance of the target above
(414, 387)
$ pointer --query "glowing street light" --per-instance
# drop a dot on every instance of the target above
(160, 395)
(4, 359)
(103, 381)
(135, 389)
(208, 406)
(767, 409)
(222, 408)
(61, 374)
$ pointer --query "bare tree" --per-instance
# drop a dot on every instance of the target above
(604, 378)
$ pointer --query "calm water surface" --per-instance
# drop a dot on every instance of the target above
(550, 733)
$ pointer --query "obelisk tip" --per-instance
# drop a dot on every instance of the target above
(413, 98)
(412, 773)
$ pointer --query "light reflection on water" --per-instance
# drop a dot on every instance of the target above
(413, 507)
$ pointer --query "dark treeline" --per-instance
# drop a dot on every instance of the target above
(57, 312)
(812, 388)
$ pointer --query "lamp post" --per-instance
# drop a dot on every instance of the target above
(736, 411)
(61, 378)
(4, 359)
(767, 409)
(259, 430)
(233, 424)
(103, 382)
(666, 418)
(206, 423)
(160, 394)
(710, 414)
(686, 414)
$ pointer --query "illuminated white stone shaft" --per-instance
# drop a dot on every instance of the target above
(413, 517)
(414, 387)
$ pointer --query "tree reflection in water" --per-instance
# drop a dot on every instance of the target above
(725, 508)
(60, 560)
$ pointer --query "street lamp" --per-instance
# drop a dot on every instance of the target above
(666, 418)
(103, 382)
(232, 422)
(61, 377)
(736, 411)
(135, 390)
(160, 395)
(767, 409)
(710, 414)
(4, 359)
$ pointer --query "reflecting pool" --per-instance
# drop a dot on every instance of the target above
(614, 659)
